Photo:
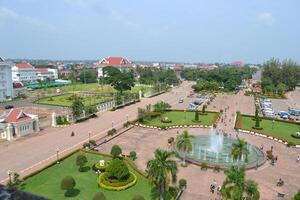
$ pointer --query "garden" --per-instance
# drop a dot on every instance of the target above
(280, 129)
(177, 118)
(67, 100)
(76, 177)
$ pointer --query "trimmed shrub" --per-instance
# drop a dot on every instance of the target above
(97, 166)
(67, 183)
(216, 168)
(269, 154)
(138, 197)
(117, 170)
(107, 184)
(115, 151)
(81, 160)
(112, 132)
(203, 166)
(99, 196)
(132, 155)
(182, 184)
(126, 124)
(171, 140)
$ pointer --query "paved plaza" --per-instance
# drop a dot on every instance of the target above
(30, 153)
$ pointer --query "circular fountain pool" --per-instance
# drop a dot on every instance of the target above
(215, 150)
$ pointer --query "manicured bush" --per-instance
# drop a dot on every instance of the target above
(92, 142)
(81, 160)
(196, 116)
(97, 166)
(297, 196)
(112, 132)
(126, 124)
(99, 196)
(138, 197)
(116, 151)
(171, 140)
(117, 170)
(68, 183)
(182, 184)
(132, 155)
(203, 166)
(107, 184)
(216, 168)
(86, 145)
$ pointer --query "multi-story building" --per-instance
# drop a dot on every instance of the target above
(24, 72)
(6, 84)
(121, 63)
(46, 73)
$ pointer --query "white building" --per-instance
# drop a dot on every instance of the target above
(17, 123)
(123, 64)
(46, 73)
(23, 72)
(6, 84)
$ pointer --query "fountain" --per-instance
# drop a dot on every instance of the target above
(215, 149)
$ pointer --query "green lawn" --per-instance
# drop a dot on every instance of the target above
(47, 182)
(280, 129)
(183, 118)
(91, 87)
(63, 100)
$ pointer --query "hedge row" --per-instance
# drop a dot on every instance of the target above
(108, 186)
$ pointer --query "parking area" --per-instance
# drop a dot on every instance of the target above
(288, 109)
(192, 101)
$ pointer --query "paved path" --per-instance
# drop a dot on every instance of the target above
(24, 155)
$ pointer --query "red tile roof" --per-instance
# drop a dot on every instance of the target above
(16, 115)
(114, 61)
(24, 65)
(41, 70)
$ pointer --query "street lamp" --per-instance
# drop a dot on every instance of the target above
(89, 135)
(9, 176)
(57, 155)
(127, 116)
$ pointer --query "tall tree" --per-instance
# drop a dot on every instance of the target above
(236, 187)
(160, 169)
(77, 106)
(239, 151)
(184, 143)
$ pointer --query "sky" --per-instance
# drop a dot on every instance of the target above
(252, 31)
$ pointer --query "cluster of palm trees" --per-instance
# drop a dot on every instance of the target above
(162, 170)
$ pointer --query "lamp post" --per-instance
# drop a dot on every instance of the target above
(89, 135)
(127, 116)
(9, 176)
(57, 155)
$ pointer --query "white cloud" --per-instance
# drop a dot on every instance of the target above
(7, 14)
(10, 16)
(266, 18)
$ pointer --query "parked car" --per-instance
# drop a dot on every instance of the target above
(9, 107)
(180, 100)
(198, 103)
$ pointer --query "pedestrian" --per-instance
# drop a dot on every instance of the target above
(272, 148)
(298, 158)
(276, 158)
(212, 188)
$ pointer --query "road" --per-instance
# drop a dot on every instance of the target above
(30, 153)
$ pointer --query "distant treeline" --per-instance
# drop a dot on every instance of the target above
(226, 79)
(279, 77)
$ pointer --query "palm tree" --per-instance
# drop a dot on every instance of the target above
(239, 150)
(183, 143)
(160, 169)
(235, 187)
